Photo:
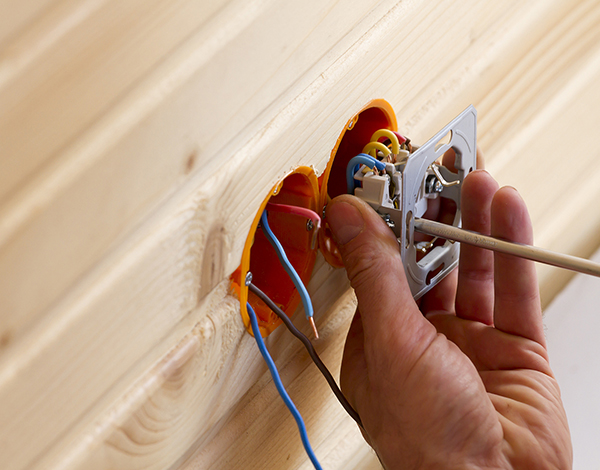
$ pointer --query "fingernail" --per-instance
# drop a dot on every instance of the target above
(345, 221)
(515, 191)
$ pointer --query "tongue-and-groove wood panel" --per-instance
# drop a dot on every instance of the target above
(137, 141)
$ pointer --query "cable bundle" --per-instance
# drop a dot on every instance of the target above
(369, 155)
(369, 158)
(308, 309)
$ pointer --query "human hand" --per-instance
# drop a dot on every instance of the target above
(468, 385)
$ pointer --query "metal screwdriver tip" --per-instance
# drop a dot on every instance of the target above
(314, 327)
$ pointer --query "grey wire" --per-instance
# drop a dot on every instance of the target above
(311, 351)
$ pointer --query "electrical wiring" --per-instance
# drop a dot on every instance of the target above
(362, 159)
(372, 147)
(311, 351)
(285, 262)
(312, 216)
(281, 389)
(390, 135)
(296, 210)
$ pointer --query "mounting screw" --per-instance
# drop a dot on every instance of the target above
(386, 218)
(248, 279)
(309, 225)
(433, 185)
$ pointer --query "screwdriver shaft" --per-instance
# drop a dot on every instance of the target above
(533, 253)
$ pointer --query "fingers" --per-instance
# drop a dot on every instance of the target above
(475, 292)
(491, 349)
(480, 159)
(353, 374)
(517, 308)
(392, 323)
(450, 156)
(440, 299)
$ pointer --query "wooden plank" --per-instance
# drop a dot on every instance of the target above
(109, 375)
(558, 183)
(163, 420)
(550, 90)
(71, 80)
(103, 184)
(16, 14)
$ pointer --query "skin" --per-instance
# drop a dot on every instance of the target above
(460, 380)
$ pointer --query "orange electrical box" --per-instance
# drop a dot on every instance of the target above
(302, 188)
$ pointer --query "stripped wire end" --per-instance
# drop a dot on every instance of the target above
(314, 327)
(314, 225)
(314, 239)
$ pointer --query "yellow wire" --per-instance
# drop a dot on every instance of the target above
(390, 135)
(374, 146)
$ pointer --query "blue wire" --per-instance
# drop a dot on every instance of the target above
(363, 159)
(281, 389)
(308, 308)
(356, 183)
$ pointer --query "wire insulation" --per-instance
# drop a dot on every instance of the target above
(308, 308)
(281, 389)
(373, 147)
(311, 351)
(302, 212)
(363, 159)
(295, 210)
(390, 135)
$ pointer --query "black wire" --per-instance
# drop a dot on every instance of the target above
(311, 351)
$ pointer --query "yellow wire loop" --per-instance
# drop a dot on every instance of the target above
(390, 135)
(373, 147)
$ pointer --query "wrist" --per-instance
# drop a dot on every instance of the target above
(444, 461)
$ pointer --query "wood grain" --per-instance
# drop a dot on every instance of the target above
(102, 184)
(137, 142)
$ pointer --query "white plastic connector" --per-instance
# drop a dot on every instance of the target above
(375, 190)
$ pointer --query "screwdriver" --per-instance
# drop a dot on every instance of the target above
(449, 232)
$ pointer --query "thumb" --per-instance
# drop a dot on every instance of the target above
(372, 260)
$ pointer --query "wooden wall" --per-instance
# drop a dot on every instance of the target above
(137, 140)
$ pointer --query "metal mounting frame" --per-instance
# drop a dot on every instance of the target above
(422, 275)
